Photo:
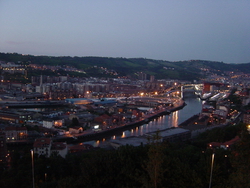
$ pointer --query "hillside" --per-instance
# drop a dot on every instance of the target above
(98, 66)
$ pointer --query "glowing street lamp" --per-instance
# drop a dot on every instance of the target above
(211, 173)
(33, 172)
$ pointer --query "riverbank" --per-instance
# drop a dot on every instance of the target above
(89, 135)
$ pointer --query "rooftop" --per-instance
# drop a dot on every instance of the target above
(41, 142)
(169, 132)
(133, 140)
(59, 145)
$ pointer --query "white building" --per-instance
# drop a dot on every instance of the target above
(51, 123)
(42, 146)
(46, 147)
(59, 148)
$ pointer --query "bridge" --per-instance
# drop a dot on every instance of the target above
(191, 89)
(185, 90)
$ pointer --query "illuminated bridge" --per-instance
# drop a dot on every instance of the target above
(191, 90)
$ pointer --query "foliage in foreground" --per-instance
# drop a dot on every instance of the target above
(156, 165)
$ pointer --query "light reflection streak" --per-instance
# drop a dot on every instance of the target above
(175, 119)
(136, 130)
(132, 132)
(161, 122)
(96, 144)
(123, 135)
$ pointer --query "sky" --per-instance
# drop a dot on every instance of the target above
(172, 30)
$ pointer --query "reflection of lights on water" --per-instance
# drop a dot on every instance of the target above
(141, 130)
(103, 139)
(131, 132)
(173, 121)
(160, 121)
(96, 143)
(176, 118)
(113, 137)
(123, 135)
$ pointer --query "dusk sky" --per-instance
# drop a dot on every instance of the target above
(173, 30)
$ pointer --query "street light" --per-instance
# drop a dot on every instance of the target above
(33, 173)
(211, 173)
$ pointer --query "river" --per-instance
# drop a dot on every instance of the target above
(172, 120)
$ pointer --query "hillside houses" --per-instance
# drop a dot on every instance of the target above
(46, 147)
(15, 133)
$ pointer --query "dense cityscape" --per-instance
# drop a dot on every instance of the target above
(124, 94)
(52, 117)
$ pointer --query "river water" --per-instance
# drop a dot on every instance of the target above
(193, 107)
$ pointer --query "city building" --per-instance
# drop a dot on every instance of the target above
(15, 116)
(59, 148)
(52, 123)
(42, 146)
(15, 133)
(174, 134)
(132, 140)
(75, 130)
(225, 145)
(46, 147)
(142, 76)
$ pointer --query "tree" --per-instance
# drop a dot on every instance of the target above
(155, 160)
(74, 122)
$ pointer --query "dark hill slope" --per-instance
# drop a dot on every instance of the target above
(183, 70)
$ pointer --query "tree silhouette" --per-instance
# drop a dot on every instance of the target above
(74, 122)
(155, 160)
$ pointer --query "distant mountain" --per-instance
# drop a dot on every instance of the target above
(103, 66)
